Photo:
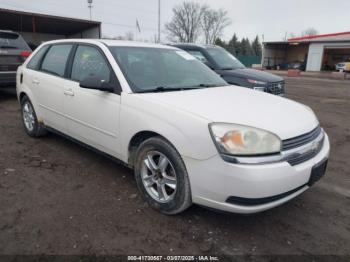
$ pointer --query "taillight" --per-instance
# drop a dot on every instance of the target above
(25, 54)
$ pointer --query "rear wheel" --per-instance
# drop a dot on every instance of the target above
(161, 176)
(30, 121)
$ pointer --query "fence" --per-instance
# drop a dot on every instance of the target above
(249, 60)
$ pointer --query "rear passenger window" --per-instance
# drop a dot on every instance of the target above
(88, 61)
(199, 55)
(35, 60)
(56, 59)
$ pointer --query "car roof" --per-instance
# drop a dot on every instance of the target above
(192, 45)
(110, 42)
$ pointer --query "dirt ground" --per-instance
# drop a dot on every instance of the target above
(57, 197)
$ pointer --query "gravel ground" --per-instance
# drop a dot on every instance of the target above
(57, 197)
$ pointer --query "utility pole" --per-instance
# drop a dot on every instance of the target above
(158, 21)
(90, 7)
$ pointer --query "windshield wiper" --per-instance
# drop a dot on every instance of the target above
(208, 85)
(166, 89)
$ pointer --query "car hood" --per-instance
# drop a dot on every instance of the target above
(233, 104)
(251, 74)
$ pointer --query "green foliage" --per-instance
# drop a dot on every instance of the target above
(257, 47)
(233, 45)
(220, 42)
(246, 48)
(241, 48)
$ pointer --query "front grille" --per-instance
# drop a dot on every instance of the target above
(276, 88)
(301, 158)
(301, 140)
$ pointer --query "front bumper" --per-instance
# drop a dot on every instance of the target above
(213, 181)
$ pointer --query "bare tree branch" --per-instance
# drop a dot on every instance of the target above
(185, 25)
(213, 23)
(309, 31)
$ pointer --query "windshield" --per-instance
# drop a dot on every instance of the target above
(224, 59)
(155, 69)
(12, 41)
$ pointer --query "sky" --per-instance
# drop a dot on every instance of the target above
(272, 19)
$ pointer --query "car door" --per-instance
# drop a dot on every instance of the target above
(48, 85)
(92, 115)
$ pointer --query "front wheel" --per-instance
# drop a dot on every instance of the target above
(161, 176)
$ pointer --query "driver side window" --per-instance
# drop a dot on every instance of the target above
(88, 61)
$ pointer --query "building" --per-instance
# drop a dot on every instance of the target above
(37, 28)
(318, 52)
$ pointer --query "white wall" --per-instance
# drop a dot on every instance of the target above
(89, 33)
(314, 60)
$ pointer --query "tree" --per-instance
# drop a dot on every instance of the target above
(213, 23)
(256, 46)
(246, 47)
(185, 25)
(309, 31)
(233, 45)
(220, 42)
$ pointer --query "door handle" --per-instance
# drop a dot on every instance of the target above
(69, 92)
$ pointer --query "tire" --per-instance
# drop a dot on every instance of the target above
(174, 196)
(34, 128)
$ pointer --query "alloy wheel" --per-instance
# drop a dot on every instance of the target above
(158, 177)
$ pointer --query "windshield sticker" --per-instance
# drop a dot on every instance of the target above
(185, 55)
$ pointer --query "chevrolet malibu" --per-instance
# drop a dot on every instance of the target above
(188, 135)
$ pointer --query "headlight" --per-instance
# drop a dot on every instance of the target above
(256, 82)
(244, 140)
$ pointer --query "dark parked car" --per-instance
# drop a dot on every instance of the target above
(232, 70)
(297, 65)
(13, 52)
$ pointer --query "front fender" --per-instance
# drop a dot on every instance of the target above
(188, 134)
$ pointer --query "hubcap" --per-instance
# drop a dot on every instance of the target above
(158, 177)
(28, 116)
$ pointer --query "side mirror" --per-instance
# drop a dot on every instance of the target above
(97, 83)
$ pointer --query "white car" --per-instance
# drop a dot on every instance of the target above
(189, 136)
(342, 66)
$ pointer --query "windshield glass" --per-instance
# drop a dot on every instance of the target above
(224, 59)
(150, 69)
(12, 41)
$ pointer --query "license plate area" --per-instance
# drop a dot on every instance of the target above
(317, 172)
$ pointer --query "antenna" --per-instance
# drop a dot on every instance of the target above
(90, 7)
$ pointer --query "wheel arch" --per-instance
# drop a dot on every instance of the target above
(27, 93)
(137, 139)
(21, 95)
